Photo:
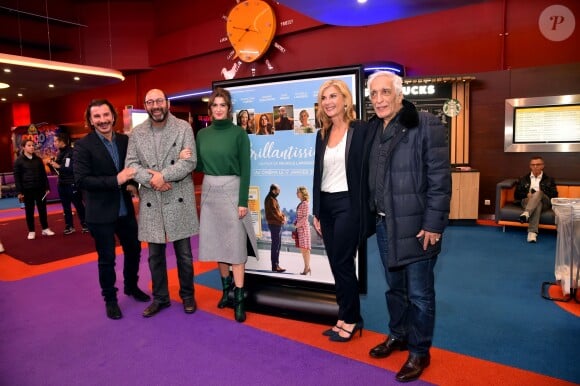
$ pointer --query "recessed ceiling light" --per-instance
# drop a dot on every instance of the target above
(7, 70)
(51, 85)
(4, 85)
(77, 78)
(361, 1)
(19, 94)
(3, 99)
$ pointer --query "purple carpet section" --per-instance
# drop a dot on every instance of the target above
(50, 335)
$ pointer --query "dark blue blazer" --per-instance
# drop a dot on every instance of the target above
(96, 175)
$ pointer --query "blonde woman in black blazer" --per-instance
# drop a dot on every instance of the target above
(339, 199)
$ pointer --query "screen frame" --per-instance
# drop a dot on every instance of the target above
(547, 101)
(358, 95)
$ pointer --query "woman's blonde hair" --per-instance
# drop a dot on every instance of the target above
(349, 114)
(304, 192)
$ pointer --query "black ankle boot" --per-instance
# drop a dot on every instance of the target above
(239, 306)
(227, 286)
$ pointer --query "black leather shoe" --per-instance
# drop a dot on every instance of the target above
(413, 368)
(154, 308)
(385, 349)
(113, 310)
(139, 295)
(278, 269)
(189, 306)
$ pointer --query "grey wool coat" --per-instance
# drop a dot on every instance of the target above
(171, 215)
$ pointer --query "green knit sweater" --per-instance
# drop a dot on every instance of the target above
(223, 149)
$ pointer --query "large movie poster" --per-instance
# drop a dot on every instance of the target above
(43, 136)
(282, 128)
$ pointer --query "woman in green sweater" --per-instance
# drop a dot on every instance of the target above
(223, 151)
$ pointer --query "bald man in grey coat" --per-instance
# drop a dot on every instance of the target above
(162, 151)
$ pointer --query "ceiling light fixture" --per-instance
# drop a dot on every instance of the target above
(4, 85)
(60, 66)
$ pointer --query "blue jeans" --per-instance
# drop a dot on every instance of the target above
(276, 236)
(158, 267)
(410, 298)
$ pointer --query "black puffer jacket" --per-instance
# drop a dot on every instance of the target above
(29, 173)
(416, 185)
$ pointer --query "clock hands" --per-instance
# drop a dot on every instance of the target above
(247, 29)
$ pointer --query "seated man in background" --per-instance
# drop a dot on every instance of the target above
(535, 190)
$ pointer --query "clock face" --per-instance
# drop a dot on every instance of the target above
(251, 27)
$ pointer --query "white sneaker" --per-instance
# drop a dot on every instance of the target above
(31, 235)
(532, 237)
(47, 232)
(1, 248)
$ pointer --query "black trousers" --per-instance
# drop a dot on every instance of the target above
(32, 197)
(125, 228)
(69, 194)
(158, 267)
(340, 234)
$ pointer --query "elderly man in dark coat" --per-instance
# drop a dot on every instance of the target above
(410, 191)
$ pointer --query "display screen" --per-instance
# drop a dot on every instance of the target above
(543, 124)
(547, 124)
(281, 115)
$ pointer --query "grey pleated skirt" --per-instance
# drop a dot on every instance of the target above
(223, 237)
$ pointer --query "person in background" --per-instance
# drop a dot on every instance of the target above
(339, 194)
(243, 120)
(275, 219)
(100, 172)
(534, 191)
(410, 190)
(32, 187)
(305, 127)
(67, 190)
(283, 122)
(167, 210)
(265, 127)
(1, 247)
(223, 155)
(303, 227)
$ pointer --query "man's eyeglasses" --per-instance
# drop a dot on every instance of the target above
(151, 102)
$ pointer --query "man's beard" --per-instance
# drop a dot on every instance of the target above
(163, 111)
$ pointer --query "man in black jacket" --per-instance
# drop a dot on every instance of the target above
(67, 190)
(535, 190)
(100, 172)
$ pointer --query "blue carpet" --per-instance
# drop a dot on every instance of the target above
(9, 203)
(488, 300)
